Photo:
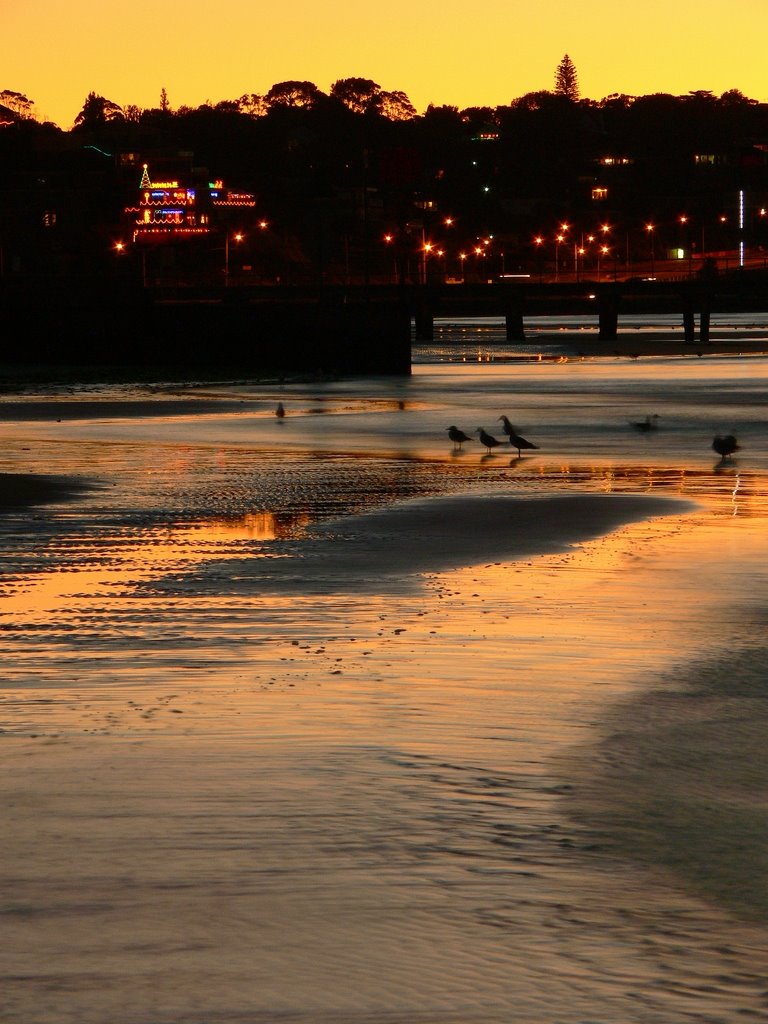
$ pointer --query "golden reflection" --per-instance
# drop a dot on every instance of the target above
(252, 526)
(148, 555)
(717, 487)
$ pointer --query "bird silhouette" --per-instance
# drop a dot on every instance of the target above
(519, 442)
(507, 427)
(280, 411)
(649, 423)
(725, 446)
(486, 439)
(457, 436)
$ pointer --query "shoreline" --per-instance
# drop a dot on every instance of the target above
(15, 379)
(637, 347)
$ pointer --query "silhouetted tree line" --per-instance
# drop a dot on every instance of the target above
(335, 168)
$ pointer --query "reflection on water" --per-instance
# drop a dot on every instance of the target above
(113, 565)
(251, 526)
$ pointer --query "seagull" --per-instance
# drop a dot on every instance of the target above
(457, 436)
(486, 439)
(649, 423)
(279, 411)
(507, 428)
(516, 441)
(725, 446)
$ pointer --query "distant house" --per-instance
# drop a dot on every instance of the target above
(171, 210)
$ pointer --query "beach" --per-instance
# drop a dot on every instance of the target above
(321, 721)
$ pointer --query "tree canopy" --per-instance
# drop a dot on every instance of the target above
(98, 111)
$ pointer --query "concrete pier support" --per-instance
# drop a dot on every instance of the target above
(424, 320)
(704, 326)
(513, 315)
(697, 299)
(608, 313)
(689, 323)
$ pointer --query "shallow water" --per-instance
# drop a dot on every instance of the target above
(248, 779)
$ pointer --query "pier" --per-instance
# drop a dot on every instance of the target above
(335, 330)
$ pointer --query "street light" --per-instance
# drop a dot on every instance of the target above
(649, 228)
(602, 250)
(558, 240)
(538, 242)
(237, 237)
(683, 219)
(388, 240)
(578, 251)
(426, 249)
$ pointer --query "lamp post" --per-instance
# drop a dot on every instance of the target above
(538, 242)
(558, 241)
(237, 237)
(389, 240)
(426, 249)
(683, 219)
(580, 252)
(602, 250)
(649, 229)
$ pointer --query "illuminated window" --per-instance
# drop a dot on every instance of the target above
(599, 192)
(49, 219)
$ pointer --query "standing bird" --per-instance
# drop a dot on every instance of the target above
(487, 440)
(518, 442)
(457, 436)
(725, 446)
(280, 411)
(507, 428)
(649, 423)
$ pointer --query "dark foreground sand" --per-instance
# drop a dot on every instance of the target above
(18, 490)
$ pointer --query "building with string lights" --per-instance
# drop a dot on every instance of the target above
(172, 210)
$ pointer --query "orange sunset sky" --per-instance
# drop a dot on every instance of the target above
(56, 51)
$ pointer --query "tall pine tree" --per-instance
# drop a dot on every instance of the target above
(566, 79)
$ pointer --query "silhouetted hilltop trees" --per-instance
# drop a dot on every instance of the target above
(337, 169)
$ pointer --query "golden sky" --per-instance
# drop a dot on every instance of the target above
(56, 51)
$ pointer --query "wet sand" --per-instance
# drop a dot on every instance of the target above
(486, 751)
(20, 490)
